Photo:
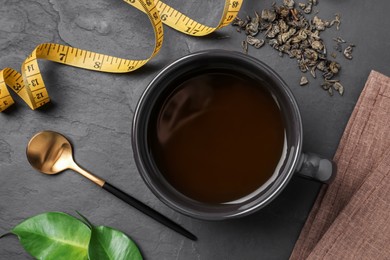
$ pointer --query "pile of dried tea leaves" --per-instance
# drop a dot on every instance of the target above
(289, 32)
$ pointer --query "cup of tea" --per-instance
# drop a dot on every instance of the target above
(218, 134)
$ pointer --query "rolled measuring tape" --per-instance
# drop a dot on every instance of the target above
(29, 84)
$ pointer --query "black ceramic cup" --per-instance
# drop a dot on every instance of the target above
(292, 160)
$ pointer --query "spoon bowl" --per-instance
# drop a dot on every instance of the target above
(49, 152)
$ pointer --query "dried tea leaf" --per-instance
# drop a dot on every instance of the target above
(326, 85)
(348, 52)
(334, 67)
(268, 15)
(327, 74)
(313, 71)
(339, 39)
(252, 27)
(302, 5)
(311, 54)
(238, 22)
(257, 43)
(244, 45)
(317, 45)
(321, 66)
(274, 31)
(308, 8)
(330, 91)
(287, 35)
(318, 23)
(303, 81)
(336, 21)
(338, 87)
(289, 3)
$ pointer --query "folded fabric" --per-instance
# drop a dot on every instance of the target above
(351, 217)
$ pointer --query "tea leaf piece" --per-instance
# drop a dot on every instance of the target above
(54, 235)
(109, 243)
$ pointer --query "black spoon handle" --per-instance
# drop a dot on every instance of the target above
(148, 211)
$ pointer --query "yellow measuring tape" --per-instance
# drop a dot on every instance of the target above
(29, 84)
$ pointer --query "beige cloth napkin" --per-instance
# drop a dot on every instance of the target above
(351, 217)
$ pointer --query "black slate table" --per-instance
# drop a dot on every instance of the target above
(95, 111)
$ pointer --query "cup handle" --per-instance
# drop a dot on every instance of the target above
(314, 167)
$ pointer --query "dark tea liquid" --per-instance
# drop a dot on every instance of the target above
(218, 137)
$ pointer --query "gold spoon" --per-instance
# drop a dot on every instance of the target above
(51, 153)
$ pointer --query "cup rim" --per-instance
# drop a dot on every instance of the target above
(136, 135)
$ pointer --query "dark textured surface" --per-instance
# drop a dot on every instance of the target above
(95, 111)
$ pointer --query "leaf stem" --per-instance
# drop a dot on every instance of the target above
(6, 234)
(85, 220)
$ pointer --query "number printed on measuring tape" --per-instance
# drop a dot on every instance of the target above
(29, 84)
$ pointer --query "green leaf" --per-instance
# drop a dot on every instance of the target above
(109, 243)
(54, 235)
